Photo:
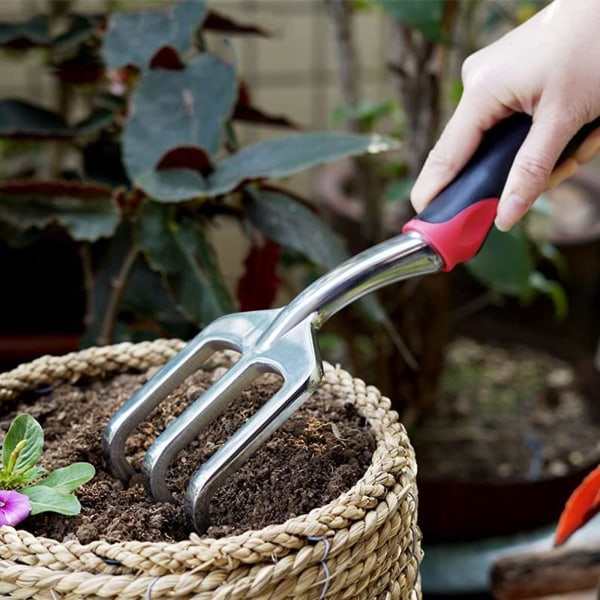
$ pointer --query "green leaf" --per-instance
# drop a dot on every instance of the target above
(47, 499)
(173, 109)
(179, 251)
(20, 119)
(504, 263)
(172, 185)
(86, 211)
(34, 473)
(23, 427)
(95, 122)
(80, 29)
(134, 38)
(367, 111)
(66, 479)
(554, 290)
(280, 157)
(28, 34)
(398, 190)
(226, 26)
(292, 225)
(425, 16)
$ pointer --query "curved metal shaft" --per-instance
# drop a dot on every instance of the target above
(278, 340)
(395, 259)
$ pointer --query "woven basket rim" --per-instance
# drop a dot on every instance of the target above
(324, 531)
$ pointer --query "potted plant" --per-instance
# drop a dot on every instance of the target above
(363, 542)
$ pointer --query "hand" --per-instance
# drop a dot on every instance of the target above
(549, 68)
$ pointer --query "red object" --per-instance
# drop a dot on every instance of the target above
(167, 58)
(258, 286)
(459, 238)
(582, 505)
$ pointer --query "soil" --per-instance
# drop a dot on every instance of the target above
(508, 413)
(319, 453)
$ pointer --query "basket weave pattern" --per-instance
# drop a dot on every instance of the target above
(363, 545)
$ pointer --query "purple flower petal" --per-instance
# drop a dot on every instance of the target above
(14, 507)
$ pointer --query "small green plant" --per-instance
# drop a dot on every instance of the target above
(29, 489)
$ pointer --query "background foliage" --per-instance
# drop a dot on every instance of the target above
(150, 108)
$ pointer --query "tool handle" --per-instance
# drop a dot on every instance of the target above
(458, 220)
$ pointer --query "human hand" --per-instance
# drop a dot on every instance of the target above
(549, 68)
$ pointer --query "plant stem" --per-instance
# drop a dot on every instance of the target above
(85, 257)
(369, 186)
(118, 286)
(12, 461)
(340, 12)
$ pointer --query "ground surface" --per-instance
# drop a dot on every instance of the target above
(319, 453)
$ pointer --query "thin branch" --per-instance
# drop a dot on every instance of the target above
(85, 257)
(118, 285)
(340, 12)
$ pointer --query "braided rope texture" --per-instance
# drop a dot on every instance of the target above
(364, 545)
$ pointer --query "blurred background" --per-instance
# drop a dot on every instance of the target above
(496, 364)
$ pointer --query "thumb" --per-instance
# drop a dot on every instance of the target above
(533, 165)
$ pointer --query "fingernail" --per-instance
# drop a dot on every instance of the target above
(510, 211)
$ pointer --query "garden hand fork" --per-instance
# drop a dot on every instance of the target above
(450, 230)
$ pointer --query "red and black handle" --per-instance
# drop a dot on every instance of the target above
(458, 220)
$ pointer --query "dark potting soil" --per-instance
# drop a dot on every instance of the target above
(319, 453)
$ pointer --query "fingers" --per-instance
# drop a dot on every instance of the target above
(456, 145)
(584, 154)
(533, 165)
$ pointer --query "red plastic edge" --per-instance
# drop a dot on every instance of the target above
(459, 239)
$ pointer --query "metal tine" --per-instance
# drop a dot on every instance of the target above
(198, 415)
(228, 332)
(294, 358)
(238, 448)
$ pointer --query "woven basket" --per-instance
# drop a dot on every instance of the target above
(363, 545)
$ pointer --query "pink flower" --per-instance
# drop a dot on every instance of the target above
(14, 507)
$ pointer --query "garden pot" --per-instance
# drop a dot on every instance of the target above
(364, 544)
(475, 503)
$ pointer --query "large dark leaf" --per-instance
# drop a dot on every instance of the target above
(179, 251)
(223, 24)
(272, 159)
(24, 35)
(424, 15)
(87, 212)
(251, 114)
(171, 109)
(19, 119)
(292, 225)
(80, 29)
(134, 38)
(173, 185)
(280, 157)
(95, 122)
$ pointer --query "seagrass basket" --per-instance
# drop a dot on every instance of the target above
(364, 545)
